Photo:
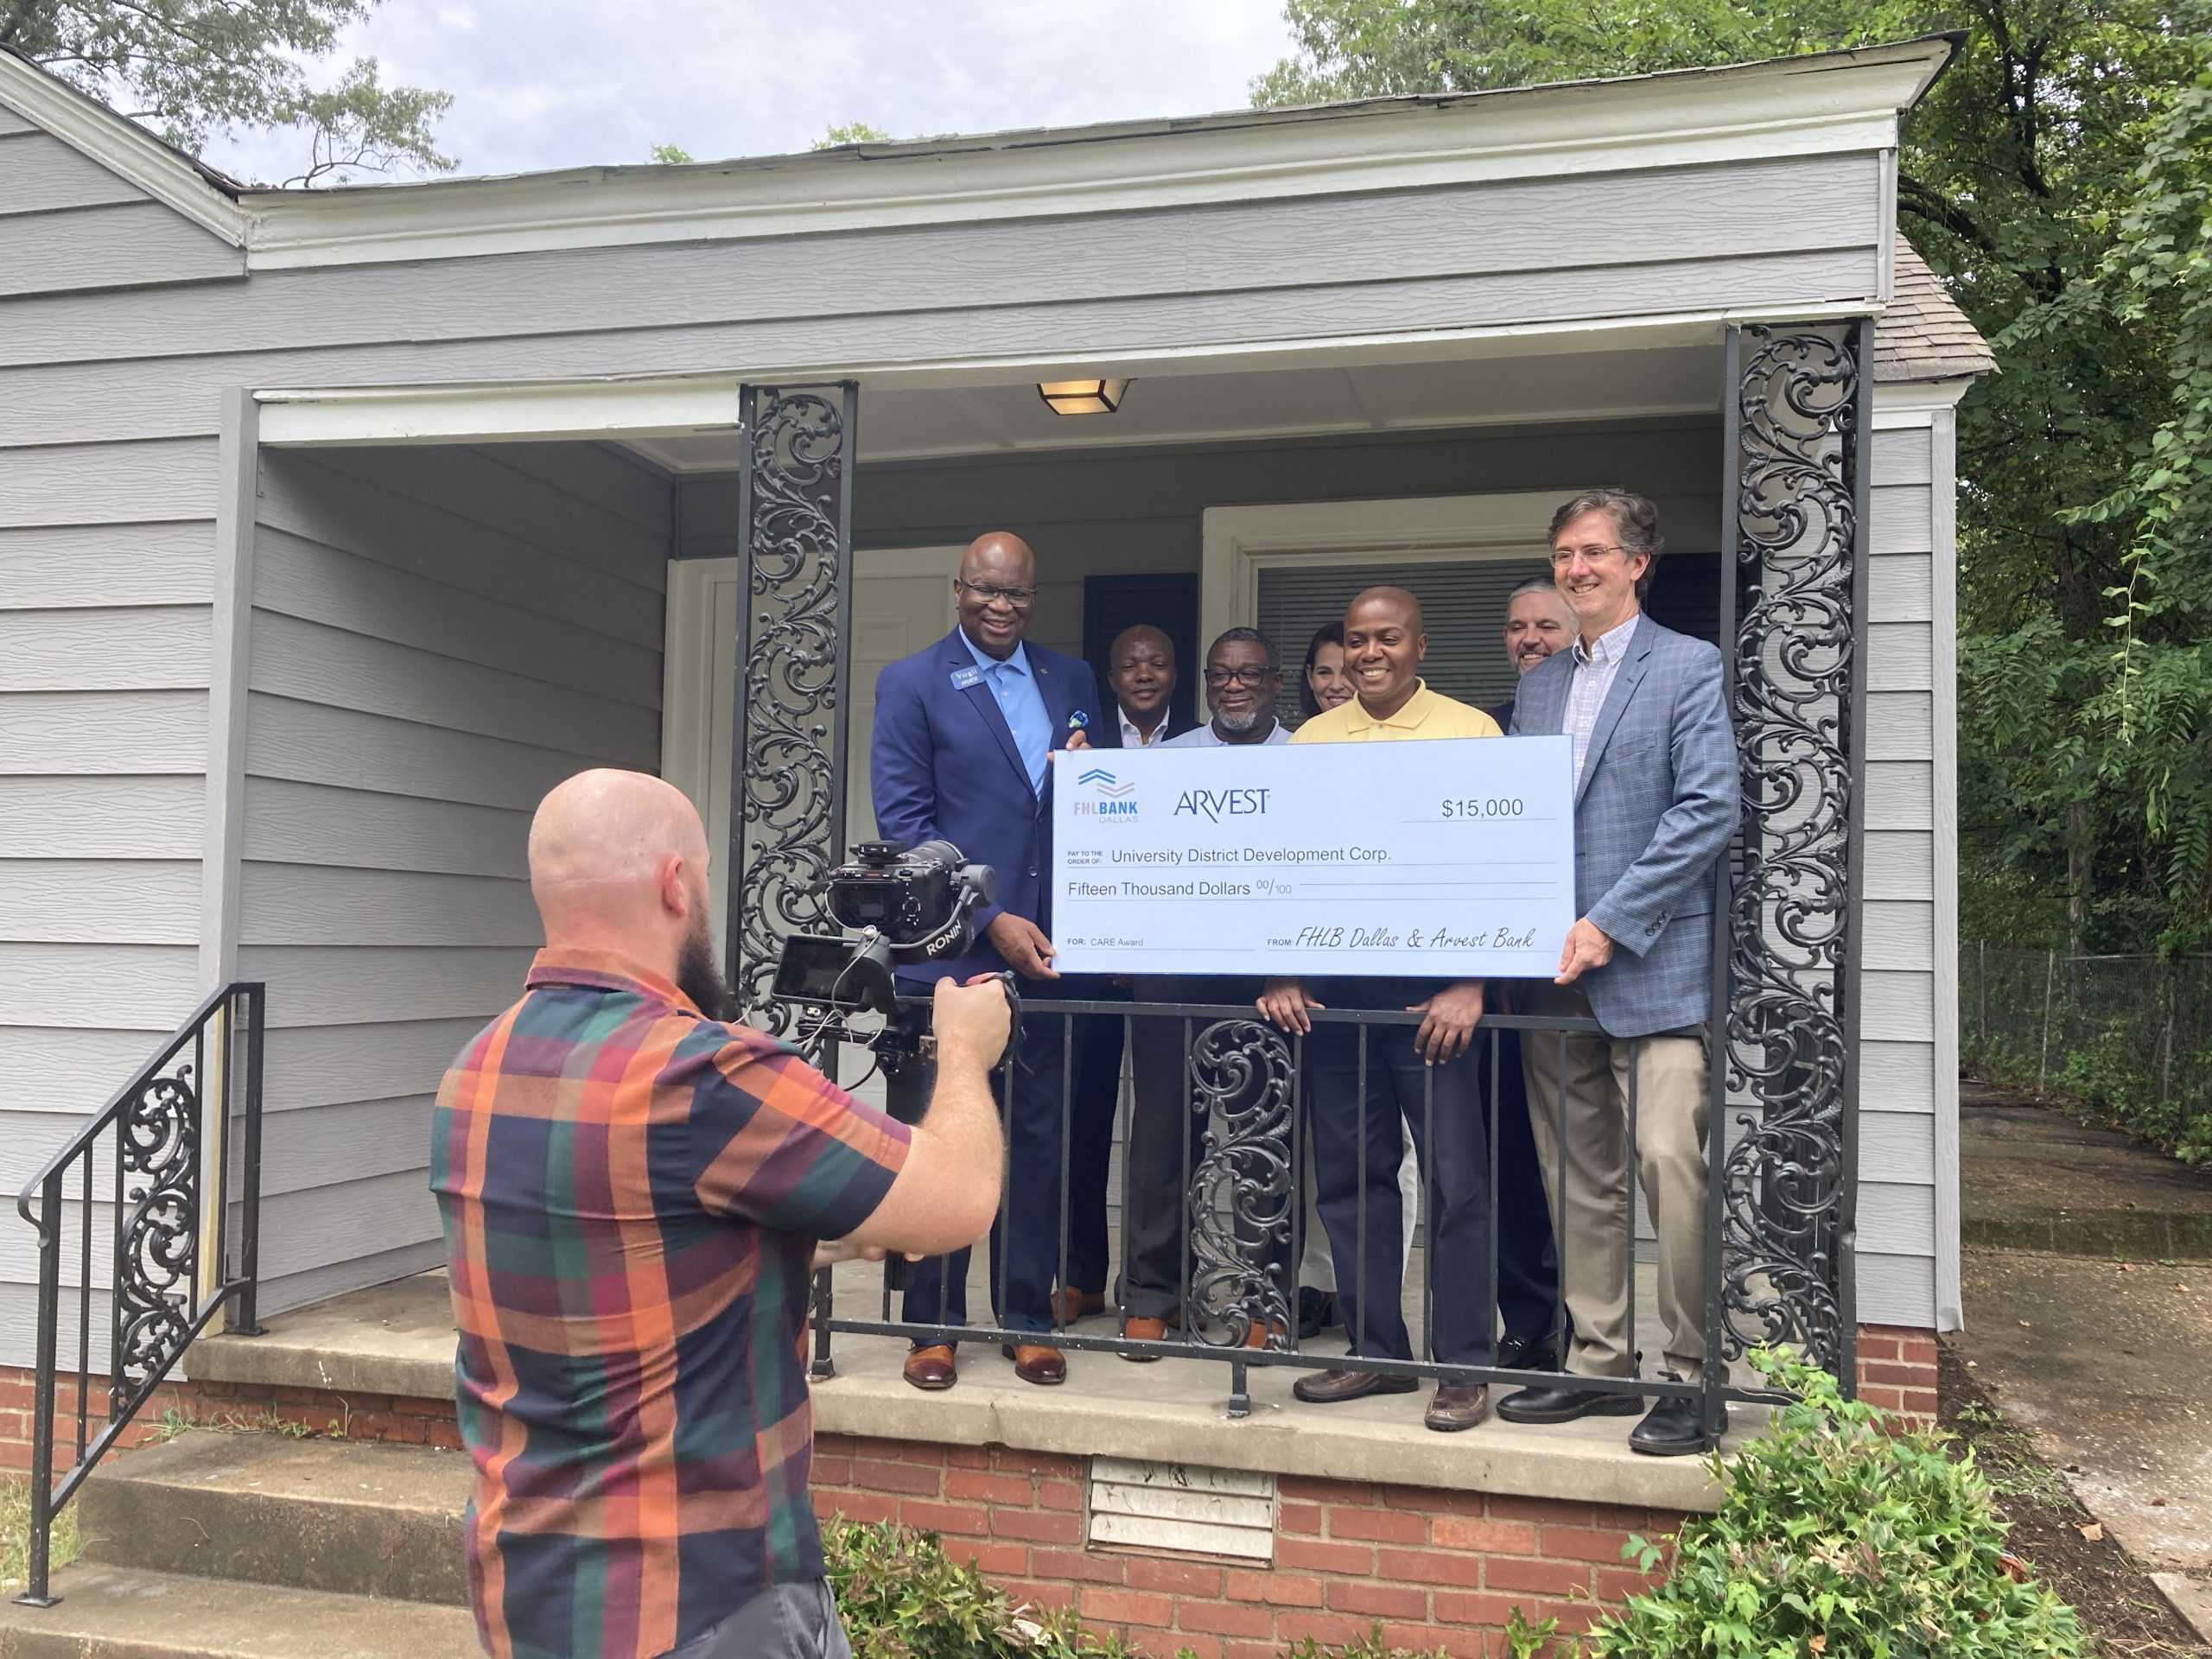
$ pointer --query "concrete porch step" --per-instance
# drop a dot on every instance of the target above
(343, 1517)
(112, 1612)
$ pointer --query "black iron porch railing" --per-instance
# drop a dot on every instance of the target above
(1243, 1223)
(175, 1159)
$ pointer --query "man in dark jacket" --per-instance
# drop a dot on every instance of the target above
(963, 741)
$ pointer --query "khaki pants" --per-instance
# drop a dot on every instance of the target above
(1590, 1196)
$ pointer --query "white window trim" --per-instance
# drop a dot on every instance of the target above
(1238, 543)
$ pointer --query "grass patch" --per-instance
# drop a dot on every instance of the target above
(16, 1535)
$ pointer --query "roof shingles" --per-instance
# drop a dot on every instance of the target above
(1924, 335)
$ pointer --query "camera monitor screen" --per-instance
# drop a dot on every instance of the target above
(812, 968)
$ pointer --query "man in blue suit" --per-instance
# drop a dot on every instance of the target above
(962, 748)
(1655, 805)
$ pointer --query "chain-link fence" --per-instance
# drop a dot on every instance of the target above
(2128, 1036)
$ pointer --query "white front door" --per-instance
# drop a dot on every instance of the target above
(902, 601)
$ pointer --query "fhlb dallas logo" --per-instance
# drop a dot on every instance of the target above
(1112, 795)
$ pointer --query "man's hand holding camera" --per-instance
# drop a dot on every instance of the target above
(972, 1023)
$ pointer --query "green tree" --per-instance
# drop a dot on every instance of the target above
(851, 132)
(2024, 177)
(671, 155)
(194, 69)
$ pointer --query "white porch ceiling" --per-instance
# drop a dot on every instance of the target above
(911, 422)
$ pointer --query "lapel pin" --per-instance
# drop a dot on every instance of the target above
(1077, 720)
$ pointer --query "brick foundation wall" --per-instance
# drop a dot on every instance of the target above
(1896, 1369)
(224, 1405)
(1434, 1568)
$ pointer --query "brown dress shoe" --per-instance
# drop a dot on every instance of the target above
(1034, 1362)
(930, 1367)
(1270, 1335)
(1456, 1406)
(1080, 1304)
(1144, 1330)
(1330, 1387)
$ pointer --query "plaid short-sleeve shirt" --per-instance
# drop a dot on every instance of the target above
(631, 1194)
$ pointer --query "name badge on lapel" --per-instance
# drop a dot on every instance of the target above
(964, 678)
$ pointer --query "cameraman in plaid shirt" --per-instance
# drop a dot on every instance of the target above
(633, 1192)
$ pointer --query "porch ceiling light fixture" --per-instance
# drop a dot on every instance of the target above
(1082, 397)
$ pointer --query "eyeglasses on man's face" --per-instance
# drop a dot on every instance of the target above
(1219, 678)
(1596, 553)
(989, 593)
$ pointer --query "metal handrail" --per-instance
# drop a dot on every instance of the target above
(162, 1288)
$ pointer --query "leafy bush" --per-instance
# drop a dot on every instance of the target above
(1844, 1536)
(904, 1599)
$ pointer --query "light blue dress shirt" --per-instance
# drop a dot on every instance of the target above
(1022, 702)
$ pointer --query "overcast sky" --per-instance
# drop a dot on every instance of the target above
(541, 84)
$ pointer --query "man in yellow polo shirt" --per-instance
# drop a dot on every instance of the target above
(1384, 642)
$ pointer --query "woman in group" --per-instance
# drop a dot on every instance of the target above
(1325, 684)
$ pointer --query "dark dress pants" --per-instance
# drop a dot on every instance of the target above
(1167, 1140)
(1356, 1154)
(1527, 1257)
(1026, 1238)
(1091, 1132)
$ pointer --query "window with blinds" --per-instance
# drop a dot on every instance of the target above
(1463, 601)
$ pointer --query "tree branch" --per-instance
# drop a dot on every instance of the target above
(1934, 205)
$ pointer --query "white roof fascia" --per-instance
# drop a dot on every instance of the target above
(706, 402)
(1917, 402)
(1828, 103)
(120, 145)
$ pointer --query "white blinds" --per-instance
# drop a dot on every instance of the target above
(1464, 600)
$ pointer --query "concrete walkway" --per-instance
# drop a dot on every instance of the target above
(2088, 1314)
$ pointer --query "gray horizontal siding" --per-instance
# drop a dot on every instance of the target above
(437, 637)
(311, 1066)
(297, 742)
(127, 246)
(52, 566)
(1898, 1165)
(40, 173)
(307, 823)
(54, 900)
(306, 904)
(1704, 231)
(109, 483)
(95, 987)
(94, 734)
(149, 648)
(106, 582)
(126, 818)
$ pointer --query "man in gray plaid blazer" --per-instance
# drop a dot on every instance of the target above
(1655, 806)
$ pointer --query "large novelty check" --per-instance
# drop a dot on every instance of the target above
(1448, 858)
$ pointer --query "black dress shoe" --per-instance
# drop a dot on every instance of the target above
(1317, 1312)
(1565, 1405)
(1328, 1388)
(1535, 1353)
(1673, 1428)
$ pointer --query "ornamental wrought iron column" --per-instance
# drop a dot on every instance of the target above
(1784, 1147)
(794, 658)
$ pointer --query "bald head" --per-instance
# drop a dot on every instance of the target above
(1394, 602)
(606, 848)
(1384, 642)
(996, 592)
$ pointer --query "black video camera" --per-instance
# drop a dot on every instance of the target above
(903, 906)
